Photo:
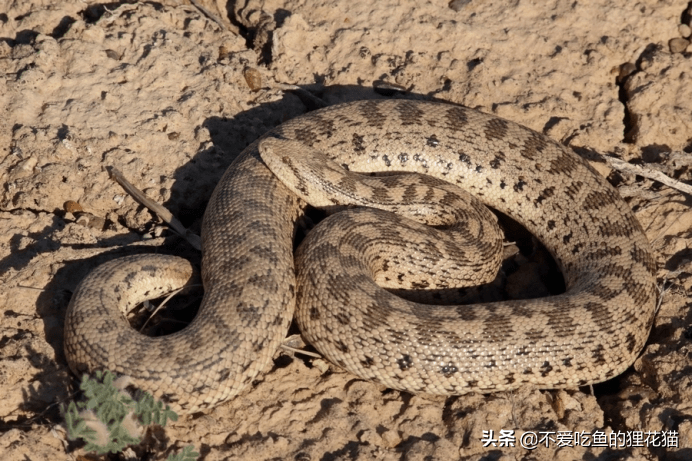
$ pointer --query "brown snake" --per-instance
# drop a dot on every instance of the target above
(591, 333)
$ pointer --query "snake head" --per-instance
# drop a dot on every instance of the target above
(307, 172)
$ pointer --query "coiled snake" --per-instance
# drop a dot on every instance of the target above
(591, 333)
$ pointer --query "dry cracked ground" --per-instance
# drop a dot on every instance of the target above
(171, 97)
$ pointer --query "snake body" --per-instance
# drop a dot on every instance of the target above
(589, 334)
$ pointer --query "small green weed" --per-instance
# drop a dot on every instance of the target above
(109, 420)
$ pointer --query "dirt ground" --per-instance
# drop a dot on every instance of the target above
(171, 97)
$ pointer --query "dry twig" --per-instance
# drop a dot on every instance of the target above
(652, 174)
(159, 209)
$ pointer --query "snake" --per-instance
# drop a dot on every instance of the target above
(253, 282)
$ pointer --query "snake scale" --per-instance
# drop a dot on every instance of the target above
(591, 333)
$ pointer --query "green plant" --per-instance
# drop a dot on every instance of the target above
(188, 453)
(110, 419)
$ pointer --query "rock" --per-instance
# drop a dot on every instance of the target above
(678, 45)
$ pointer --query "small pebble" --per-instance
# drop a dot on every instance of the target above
(252, 78)
(72, 207)
(90, 221)
(224, 52)
(685, 30)
(678, 45)
(625, 70)
(457, 5)
(84, 218)
(321, 365)
(391, 438)
(113, 55)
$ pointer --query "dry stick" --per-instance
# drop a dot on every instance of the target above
(212, 16)
(160, 210)
(623, 166)
(300, 352)
(664, 288)
(170, 295)
(319, 103)
(115, 14)
(177, 226)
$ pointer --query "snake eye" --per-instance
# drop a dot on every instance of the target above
(285, 159)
